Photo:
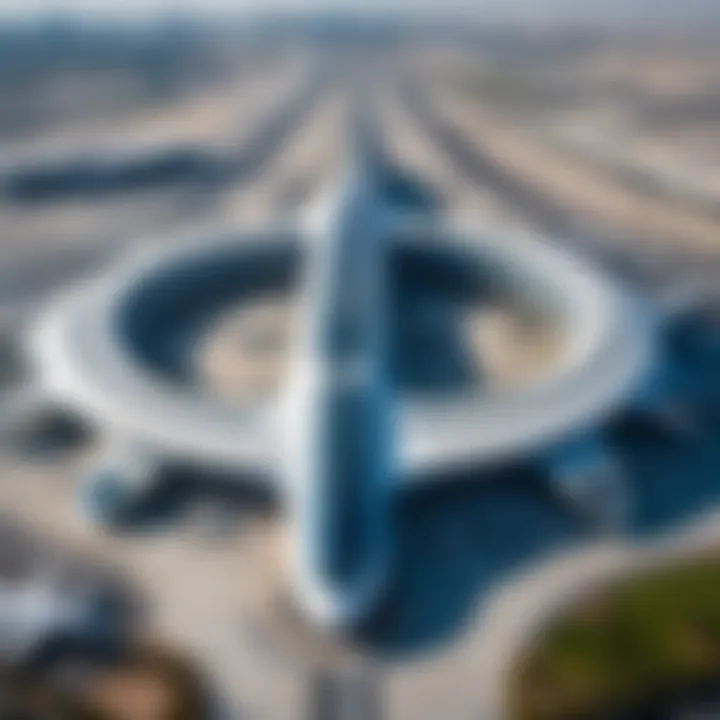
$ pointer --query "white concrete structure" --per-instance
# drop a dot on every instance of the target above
(90, 349)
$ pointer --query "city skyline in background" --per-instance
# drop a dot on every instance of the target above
(650, 11)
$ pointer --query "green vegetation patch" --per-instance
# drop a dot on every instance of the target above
(623, 648)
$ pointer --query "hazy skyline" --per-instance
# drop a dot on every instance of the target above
(529, 9)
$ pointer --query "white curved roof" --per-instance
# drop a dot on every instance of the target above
(610, 353)
(79, 352)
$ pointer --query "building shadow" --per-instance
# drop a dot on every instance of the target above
(454, 543)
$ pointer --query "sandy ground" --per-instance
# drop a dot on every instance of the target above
(216, 117)
(197, 586)
(414, 150)
(296, 174)
(213, 568)
(207, 573)
(593, 198)
(244, 354)
(45, 245)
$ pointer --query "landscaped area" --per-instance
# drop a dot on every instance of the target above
(651, 641)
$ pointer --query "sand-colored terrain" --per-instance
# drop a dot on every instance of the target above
(212, 569)
(584, 194)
